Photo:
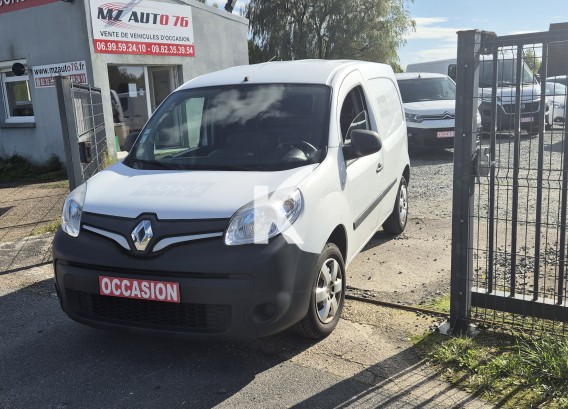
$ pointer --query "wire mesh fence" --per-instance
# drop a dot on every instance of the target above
(519, 188)
(90, 128)
(30, 213)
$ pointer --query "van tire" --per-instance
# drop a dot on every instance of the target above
(318, 323)
(396, 223)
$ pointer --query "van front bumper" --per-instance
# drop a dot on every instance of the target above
(429, 137)
(530, 118)
(244, 291)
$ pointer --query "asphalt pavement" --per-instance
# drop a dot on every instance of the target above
(49, 361)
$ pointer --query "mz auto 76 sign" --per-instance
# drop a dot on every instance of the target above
(143, 27)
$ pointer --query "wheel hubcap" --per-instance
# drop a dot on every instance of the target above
(328, 290)
(403, 205)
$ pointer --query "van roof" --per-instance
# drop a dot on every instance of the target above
(415, 75)
(293, 72)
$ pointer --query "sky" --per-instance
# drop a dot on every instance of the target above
(437, 22)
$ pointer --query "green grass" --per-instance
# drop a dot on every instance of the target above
(511, 372)
(17, 168)
(108, 160)
(441, 304)
(51, 227)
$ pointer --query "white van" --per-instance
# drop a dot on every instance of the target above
(506, 90)
(429, 102)
(243, 200)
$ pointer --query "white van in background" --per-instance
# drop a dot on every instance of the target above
(429, 102)
(506, 90)
(446, 67)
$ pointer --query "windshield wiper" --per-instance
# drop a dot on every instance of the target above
(223, 167)
(158, 164)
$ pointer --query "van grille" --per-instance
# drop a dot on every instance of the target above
(438, 117)
(526, 107)
(207, 318)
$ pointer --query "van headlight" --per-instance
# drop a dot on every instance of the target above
(264, 218)
(72, 211)
(413, 117)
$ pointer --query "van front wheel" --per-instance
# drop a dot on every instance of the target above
(396, 222)
(327, 295)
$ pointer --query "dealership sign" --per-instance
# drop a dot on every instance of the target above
(44, 75)
(142, 27)
(13, 5)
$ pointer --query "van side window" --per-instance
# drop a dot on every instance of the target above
(353, 114)
(180, 127)
(194, 111)
(452, 71)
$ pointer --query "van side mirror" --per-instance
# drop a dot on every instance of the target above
(129, 142)
(363, 143)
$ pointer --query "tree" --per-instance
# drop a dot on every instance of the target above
(333, 29)
(531, 59)
(396, 67)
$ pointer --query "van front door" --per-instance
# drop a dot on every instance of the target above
(364, 181)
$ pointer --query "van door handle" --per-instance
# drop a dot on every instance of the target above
(379, 167)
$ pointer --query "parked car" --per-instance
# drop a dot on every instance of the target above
(429, 101)
(556, 94)
(241, 203)
(506, 89)
(559, 79)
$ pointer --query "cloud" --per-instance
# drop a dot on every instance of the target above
(430, 29)
(433, 40)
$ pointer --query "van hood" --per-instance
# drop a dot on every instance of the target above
(125, 192)
(506, 95)
(431, 107)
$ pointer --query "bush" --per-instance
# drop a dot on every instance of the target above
(53, 164)
(18, 168)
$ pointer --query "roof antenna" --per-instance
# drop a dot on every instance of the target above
(247, 78)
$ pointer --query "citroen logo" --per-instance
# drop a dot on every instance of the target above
(142, 234)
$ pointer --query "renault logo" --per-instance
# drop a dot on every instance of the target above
(142, 235)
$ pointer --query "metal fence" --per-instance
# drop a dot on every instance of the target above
(30, 212)
(509, 253)
(83, 125)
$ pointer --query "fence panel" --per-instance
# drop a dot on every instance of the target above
(30, 212)
(83, 126)
(509, 242)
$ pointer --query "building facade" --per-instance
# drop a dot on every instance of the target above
(136, 52)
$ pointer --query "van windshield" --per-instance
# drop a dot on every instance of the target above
(427, 89)
(506, 73)
(243, 127)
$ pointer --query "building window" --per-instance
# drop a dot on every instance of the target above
(17, 96)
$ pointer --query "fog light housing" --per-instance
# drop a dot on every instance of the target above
(264, 312)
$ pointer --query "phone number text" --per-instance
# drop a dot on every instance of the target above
(146, 48)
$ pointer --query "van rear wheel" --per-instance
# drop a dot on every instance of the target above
(327, 295)
(396, 223)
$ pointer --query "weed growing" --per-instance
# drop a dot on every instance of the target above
(512, 372)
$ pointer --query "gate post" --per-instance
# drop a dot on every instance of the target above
(69, 130)
(467, 81)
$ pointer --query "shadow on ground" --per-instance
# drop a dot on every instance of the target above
(47, 360)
